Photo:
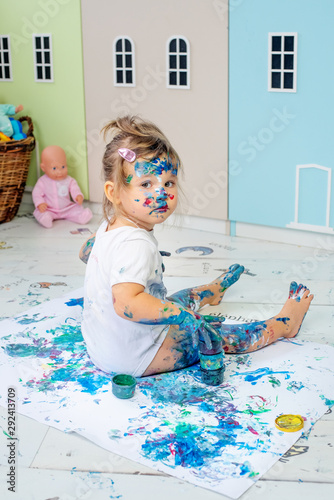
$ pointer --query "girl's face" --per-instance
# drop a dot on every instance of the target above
(151, 194)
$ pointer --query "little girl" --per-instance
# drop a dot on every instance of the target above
(128, 323)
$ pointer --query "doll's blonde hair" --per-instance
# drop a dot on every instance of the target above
(142, 137)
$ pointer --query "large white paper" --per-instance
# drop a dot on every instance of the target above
(221, 438)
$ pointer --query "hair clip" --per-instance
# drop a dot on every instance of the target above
(127, 154)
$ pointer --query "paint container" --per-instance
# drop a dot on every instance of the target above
(212, 363)
(216, 347)
(123, 386)
(289, 423)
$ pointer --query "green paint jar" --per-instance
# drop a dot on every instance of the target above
(212, 363)
(123, 386)
(213, 377)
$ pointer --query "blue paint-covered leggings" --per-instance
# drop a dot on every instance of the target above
(237, 338)
(181, 345)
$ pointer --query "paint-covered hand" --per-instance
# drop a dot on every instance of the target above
(206, 328)
(210, 329)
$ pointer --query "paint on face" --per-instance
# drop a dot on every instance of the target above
(156, 166)
(148, 200)
(151, 196)
(160, 199)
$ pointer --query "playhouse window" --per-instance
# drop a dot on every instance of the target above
(178, 54)
(5, 59)
(124, 66)
(43, 58)
(282, 62)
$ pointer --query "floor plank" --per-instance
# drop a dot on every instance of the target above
(58, 466)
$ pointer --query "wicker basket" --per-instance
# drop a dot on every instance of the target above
(14, 165)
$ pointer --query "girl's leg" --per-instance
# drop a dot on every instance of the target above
(180, 349)
(252, 336)
(195, 298)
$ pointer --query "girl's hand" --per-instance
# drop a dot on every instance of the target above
(208, 330)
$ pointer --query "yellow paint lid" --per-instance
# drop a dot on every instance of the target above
(289, 423)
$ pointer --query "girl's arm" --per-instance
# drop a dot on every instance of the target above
(132, 303)
(87, 248)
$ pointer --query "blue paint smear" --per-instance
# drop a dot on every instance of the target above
(186, 443)
(155, 167)
(328, 402)
(28, 320)
(75, 302)
(261, 372)
(284, 320)
(204, 250)
(69, 361)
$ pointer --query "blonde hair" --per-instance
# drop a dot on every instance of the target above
(142, 137)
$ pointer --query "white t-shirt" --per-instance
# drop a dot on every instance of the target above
(122, 255)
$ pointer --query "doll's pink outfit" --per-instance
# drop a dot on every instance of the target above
(56, 194)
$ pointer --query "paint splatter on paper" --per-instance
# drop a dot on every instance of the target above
(222, 438)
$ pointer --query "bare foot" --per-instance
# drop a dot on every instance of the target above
(224, 281)
(294, 309)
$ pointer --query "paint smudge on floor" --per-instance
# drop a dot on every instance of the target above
(203, 250)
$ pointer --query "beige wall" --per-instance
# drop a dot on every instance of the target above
(194, 120)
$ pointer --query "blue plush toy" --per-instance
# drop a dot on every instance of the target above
(9, 126)
(17, 129)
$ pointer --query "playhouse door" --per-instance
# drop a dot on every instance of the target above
(313, 198)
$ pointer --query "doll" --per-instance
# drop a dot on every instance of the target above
(8, 126)
(51, 194)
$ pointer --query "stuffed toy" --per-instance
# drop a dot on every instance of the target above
(53, 191)
(9, 126)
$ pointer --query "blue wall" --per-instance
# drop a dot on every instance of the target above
(272, 132)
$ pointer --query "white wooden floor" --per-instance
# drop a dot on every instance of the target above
(57, 466)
